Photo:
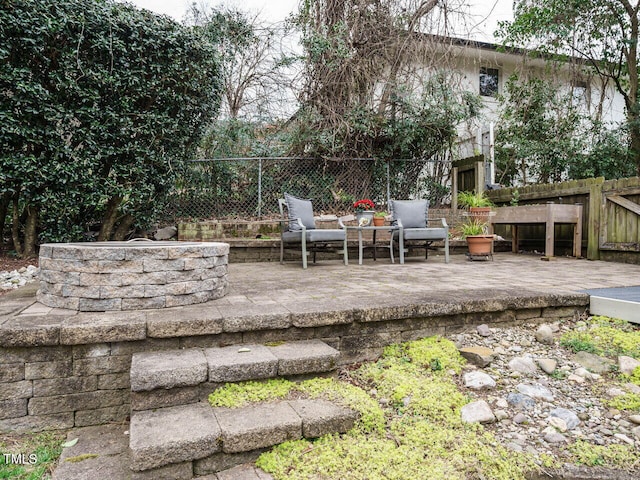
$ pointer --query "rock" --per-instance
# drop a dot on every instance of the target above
(544, 335)
(627, 364)
(502, 403)
(524, 365)
(520, 418)
(521, 401)
(536, 391)
(570, 418)
(576, 378)
(166, 233)
(554, 437)
(547, 365)
(635, 419)
(586, 374)
(483, 330)
(514, 446)
(615, 392)
(477, 412)
(525, 343)
(558, 424)
(636, 432)
(632, 388)
(501, 415)
(479, 356)
(624, 438)
(478, 380)
(593, 363)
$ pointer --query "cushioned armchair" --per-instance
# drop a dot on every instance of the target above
(298, 227)
(411, 218)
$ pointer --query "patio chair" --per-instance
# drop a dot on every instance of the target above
(412, 217)
(298, 227)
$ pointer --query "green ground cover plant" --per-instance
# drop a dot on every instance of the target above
(40, 453)
(603, 335)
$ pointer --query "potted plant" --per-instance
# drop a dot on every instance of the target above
(478, 205)
(365, 209)
(379, 218)
(478, 240)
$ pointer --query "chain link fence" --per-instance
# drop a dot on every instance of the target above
(249, 188)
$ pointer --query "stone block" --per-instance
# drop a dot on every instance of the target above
(80, 291)
(33, 354)
(64, 386)
(559, 312)
(306, 315)
(241, 362)
(146, 252)
(151, 291)
(169, 369)
(83, 367)
(308, 356)
(188, 299)
(22, 389)
(215, 249)
(184, 322)
(12, 372)
(77, 401)
(257, 426)
(358, 342)
(128, 291)
(143, 303)
(93, 305)
(114, 381)
(147, 345)
(166, 398)
(254, 317)
(53, 277)
(54, 369)
(56, 301)
(184, 252)
(86, 328)
(529, 313)
(152, 265)
(100, 279)
(223, 461)
(12, 408)
(320, 417)
(242, 472)
(175, 471)
(29, 330)
(183, 288)
(206, 341)
(173, 435)
(101, 416)
(37, 423)
(479, 356)
(185, 275)
(91, 350)
(199, 263)
(149, 278)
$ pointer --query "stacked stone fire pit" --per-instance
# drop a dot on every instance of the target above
(107, 276)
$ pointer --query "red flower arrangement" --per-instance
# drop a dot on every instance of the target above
(364, 204)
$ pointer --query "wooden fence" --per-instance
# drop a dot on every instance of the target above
(611, 214)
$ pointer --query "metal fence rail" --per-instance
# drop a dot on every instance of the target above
(249, 188)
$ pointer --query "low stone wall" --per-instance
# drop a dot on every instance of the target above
(60, 370)
(101, 276)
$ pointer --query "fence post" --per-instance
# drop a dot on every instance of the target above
(259, 188)
(593, 228)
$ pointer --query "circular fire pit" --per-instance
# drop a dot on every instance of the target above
(101, 276)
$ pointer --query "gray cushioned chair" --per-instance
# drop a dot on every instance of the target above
(298, 227)
(411, 216)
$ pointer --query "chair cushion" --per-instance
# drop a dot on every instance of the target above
(302, 209)
(424, 233)
(315, 235)
(412, 213)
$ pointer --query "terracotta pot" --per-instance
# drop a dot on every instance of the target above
(378, 221)
(479, 244)
(480, 214)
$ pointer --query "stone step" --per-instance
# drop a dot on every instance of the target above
(204, 440)
(178, 377)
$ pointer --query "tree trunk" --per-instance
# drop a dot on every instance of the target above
(30, 232)
(109, 219)
(15, 226)
(125, 224)
(4, 209)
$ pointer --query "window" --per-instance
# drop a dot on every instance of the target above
(489, 81)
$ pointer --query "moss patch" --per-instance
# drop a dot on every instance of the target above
(628, 401)
(81, 458)
(603, 335)
(585, 453)
(234, 395)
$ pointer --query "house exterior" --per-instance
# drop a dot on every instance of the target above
(485, 67)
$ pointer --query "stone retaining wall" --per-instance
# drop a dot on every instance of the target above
(59, 370)
(103, 276)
